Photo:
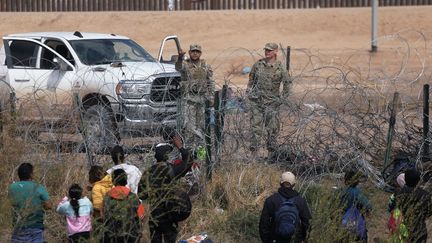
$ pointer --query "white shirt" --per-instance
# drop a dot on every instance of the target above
(133, 174)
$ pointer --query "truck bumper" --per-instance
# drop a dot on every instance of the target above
(144, 117)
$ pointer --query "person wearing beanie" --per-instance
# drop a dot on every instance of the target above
(352, 196)
(158, 186)
(286, 192)
(415, 205)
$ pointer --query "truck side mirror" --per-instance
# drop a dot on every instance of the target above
(174, 58)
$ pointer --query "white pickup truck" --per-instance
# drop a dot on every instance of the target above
(117, 86)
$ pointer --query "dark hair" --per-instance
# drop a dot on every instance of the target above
(96, 173)
(162, 151)
(119, 177)
(117, 154)
(412, 177)
(25, 171)
(352, 178)
(75, 193)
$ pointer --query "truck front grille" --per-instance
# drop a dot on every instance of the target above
(165, 89)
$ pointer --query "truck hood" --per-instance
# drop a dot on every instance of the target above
(137, 70)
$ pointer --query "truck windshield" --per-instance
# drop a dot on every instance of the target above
(106, 51)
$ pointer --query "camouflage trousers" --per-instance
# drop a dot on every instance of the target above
(264, 121)
(192, 121)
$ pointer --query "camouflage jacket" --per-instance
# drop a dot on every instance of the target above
(197, 78)
(265, 80)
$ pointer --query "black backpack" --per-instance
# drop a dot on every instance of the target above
(286, 218)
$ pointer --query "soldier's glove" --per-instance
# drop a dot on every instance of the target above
(181, 54)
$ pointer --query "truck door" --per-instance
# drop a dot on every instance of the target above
(41, 78)
(169, 49)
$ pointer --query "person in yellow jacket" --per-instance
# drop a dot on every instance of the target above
(101, 183)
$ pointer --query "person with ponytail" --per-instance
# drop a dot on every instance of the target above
(78, 210)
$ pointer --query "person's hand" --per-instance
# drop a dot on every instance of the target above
(181, 54)
(177, 141)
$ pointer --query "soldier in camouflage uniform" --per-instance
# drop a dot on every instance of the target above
(263, 92)
(197, 86)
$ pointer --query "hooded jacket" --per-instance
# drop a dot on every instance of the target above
(100, 188)
(159, 184)
(122, 214)
(272, 204)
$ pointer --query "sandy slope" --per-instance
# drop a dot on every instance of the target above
(224, 34)
(219, 30)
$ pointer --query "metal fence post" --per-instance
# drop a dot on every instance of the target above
(209, 163)
(426, 142)
(374, 41)
(390, 133)
(288, 58)
(217, 129)
(12, 100)
(220, 103)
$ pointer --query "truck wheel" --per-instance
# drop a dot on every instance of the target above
(100, 130)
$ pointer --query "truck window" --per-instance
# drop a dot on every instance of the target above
(106, 51)
(23, 53)
(61, 49)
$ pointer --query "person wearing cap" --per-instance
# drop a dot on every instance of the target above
(158, 186)
(197, 87)
(263, 93)
(273, 203)
(416, 207)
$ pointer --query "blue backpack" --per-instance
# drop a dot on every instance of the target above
(354, 222)
(286, 218)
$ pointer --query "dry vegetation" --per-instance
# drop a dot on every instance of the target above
(238, 189)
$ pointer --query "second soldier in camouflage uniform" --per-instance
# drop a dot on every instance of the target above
(197, 86)
(263, 92)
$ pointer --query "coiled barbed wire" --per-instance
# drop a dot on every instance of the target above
(336, 116)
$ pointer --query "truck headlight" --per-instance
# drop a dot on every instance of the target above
(132, 90)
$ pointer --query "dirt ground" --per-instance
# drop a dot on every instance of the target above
(231, 38)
